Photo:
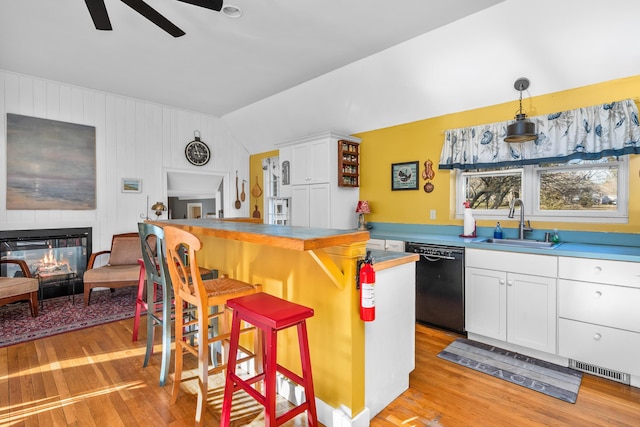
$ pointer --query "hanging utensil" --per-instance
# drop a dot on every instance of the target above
(243, 195)
(238, 204)
(256, 191)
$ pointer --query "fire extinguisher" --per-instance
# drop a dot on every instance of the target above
(367, 280)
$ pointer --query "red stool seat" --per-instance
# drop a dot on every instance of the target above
(269, 314)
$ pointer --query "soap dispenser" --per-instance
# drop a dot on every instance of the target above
(497, 233)
(555, 238)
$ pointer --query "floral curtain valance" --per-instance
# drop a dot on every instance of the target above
(585, 133)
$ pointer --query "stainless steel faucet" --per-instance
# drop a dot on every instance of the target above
(522, 227)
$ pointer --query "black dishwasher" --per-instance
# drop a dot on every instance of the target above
(439, 285)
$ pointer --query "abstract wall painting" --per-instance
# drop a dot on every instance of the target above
(51, 165)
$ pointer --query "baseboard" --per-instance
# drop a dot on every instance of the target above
(327, 415)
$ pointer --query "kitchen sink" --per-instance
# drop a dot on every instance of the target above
(521, 243)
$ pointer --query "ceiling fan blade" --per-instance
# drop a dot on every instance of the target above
(98, 12)
(209, 4)
(154, 16)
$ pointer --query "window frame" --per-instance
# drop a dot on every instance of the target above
(530, 194)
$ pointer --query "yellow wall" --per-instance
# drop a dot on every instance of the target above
(423, 140)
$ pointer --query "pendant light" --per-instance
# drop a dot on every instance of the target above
(521, 130)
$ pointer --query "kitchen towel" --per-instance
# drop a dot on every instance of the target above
(469, 223)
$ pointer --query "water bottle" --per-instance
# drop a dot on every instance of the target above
(497, 233)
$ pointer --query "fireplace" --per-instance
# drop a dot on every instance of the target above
(57, 257)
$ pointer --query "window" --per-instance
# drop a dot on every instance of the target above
(581, 190)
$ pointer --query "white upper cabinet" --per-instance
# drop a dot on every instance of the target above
(310, 162)
(316, 199)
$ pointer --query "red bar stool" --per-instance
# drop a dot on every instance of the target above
(270, 314)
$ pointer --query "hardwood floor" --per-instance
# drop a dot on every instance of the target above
(94, 377)
(445, 394)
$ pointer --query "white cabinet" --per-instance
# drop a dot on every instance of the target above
(316, 199)
(511, 297)
(311, 206)
(310, 162)
(598, 307)
(386, 245)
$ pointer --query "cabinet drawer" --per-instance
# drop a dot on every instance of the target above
(615, 306)
(394, 245)
(621, 273)
(537, 265)
(375, 244)
(599, 345)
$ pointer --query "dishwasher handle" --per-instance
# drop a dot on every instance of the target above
(436, 257)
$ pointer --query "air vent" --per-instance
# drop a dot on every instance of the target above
(610, 374)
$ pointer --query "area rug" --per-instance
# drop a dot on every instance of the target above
(553, 380)
(62, 314)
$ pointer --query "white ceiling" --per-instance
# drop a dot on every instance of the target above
(293, 68)
(221, 64)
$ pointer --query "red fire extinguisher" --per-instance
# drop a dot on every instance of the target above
(367, 276)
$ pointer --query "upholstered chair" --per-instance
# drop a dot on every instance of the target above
(122, 269)
(25, 288)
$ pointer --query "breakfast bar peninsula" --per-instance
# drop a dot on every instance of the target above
(358, 367)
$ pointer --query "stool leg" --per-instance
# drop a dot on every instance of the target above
(203, 365)
(177, 377)
(270, 369)
(225, 417)
(312, 417)
(150, 307)
(139, 304)
(166, 336)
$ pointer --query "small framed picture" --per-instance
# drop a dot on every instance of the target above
(404, 176)
(131, 185)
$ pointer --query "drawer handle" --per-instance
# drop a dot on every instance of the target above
(598, 269)
(509, 282)
(501, 281)
(597, 336)
(598, 294)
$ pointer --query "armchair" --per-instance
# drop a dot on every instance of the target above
(25, 288)
(122, 270)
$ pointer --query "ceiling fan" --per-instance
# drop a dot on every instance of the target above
(100, 17)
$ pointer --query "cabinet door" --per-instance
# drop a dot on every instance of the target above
(300, 205)
(486, 302)
(310, 162)
(531, 311)
(299, 164)
(319, 206)
(319, 161)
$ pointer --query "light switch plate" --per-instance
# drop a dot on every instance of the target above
(432, 214)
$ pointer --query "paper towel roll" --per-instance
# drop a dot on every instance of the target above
(469, 223)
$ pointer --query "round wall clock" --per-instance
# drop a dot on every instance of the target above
(197, 152)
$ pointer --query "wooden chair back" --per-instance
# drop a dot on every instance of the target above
(182, 262)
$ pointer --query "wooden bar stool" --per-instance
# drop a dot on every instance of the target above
(270, 314)
(209, 298)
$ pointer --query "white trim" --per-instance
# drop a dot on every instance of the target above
(531, 196)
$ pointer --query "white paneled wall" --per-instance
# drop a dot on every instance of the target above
(134, 139)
